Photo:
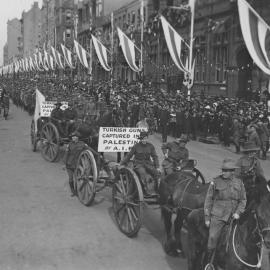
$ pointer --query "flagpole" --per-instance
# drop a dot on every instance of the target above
(112, 48)
(142, 24)
(192, 9)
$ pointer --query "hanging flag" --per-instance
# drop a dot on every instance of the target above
(67, 56)
(101, 52)
(128, 48)
(32, 64)
(26, 65)
(255, 32)
(36, 63)
(41, 62)
(39, 100)
(51, 62)
(57, 57)
(174, 42)
(81, 53)
(45, 61)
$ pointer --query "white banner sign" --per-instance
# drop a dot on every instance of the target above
(46, 107)
(117, 139)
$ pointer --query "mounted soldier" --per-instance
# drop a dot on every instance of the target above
(70, 116)
(145, 163)
(225, 199)
(57, 116)
(175, 154)
(249, 167)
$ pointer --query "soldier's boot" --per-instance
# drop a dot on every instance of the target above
(264, 155)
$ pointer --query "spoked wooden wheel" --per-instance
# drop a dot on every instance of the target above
(49, 142)
(127, 198)
(33, 136)
(86, 177)
(199, 176)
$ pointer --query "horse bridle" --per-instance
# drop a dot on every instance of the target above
(262, 241)
(259, 229)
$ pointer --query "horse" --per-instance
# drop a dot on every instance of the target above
(89, 128)
(179, 193)
(241, 242)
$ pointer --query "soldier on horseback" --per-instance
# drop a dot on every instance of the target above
(175, 154)
(249, 164)
(145, 163)
(225, 199)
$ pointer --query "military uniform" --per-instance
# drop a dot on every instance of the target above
(224, 198)
(70, 114)
(57, 113)
(142, 160)
(245, 163)
(176, 154)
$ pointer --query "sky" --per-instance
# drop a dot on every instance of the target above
(11, 9)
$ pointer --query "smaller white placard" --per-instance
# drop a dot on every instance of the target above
(46, 107)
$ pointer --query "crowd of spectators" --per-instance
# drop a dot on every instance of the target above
(229, 120)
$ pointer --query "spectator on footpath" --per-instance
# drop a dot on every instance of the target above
(164, 122)
(263, 134)
(236, 134)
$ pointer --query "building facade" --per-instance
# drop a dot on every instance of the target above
(13, 36)
(65, 19)
(31, 30)
(48, 27)
(5, 54)
(223, 65)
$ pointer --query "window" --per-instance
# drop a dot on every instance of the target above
(221, 60)
(99, 8)
(68, 33)
(68, 16)
(133, 17)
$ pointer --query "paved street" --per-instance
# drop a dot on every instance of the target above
(43, 228)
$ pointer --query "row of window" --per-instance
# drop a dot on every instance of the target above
(131, 18)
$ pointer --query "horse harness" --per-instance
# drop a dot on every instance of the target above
(260, 232)
(179, 205)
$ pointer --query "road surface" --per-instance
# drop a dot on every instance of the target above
(43, 228)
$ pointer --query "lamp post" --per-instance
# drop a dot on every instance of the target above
(191, 7)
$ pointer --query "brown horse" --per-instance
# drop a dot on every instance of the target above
(240, 244)
(180, 193)
(89, 128)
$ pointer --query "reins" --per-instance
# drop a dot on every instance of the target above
(260, 256)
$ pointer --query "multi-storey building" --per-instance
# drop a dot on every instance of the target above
(94, 17)
(13, 35)
(65, 15)
(31, 30)
(48, 28)
(223, 65)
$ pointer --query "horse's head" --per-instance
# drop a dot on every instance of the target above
(262, 212)
(116, 119)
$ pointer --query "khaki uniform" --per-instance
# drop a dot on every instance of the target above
(245, 163)
(175, 155)
(142, 160)
(224, 198)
